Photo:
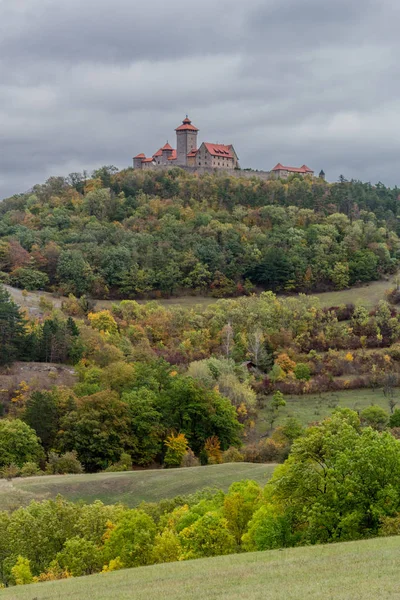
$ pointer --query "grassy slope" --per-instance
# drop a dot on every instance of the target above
(315, 407)
(365, 570)
(129, 487)
(368, 295)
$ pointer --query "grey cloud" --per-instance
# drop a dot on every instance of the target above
(94, 82)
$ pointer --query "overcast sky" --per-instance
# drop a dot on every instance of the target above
(90, 82)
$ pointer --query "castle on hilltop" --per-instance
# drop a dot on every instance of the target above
(208, 158)
(187, 154)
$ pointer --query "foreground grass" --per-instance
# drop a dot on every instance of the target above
(366, 570)
(315, 407)
(130, 487)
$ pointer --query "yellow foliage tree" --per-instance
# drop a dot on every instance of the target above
(103, 321)
(212, 447)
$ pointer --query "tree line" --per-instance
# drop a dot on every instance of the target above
(132, 234)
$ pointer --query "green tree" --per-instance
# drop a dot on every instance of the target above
(13, 338)
(97, 429)
(240, 503)
(208, 536)
(80, 557)
(41, 414)
(146, 427)
(339, 480)
(198, 413)
(18, 443)
(132, 540)
(29, 279)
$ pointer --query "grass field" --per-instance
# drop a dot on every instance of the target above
(129, 487)
(368, 295)
(315, 407)
(366, 570)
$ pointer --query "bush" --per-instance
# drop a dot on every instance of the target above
(64, 464)
(124, 464)
(9, 471)
(232, 455)
(30, 469)
(302, 372)
(375, 417)
(394, 420)
(190, 460)
(28, 279)
(265, 451)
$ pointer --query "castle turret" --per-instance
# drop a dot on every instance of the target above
(137, 161)
(186, 141)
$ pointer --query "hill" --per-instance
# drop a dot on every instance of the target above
(135, 234)
(365, 570)
(130, 487)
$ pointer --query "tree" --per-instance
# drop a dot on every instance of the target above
(187, 407)
(207, 536)
(12, 330)
(41, 414)
(80, 557)
(132, 540)
(240, 504)
(339, 480)
(18, 443)
(97, 429)
(177, 446)
(21, 571)
(146, 428)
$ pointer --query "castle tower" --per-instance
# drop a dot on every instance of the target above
(186, 141)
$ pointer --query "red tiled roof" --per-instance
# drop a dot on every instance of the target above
(140, 156)
(173, 155)
(167, 147)
(147, 160)
(303, 169)
(186, 126)
(192, 153)
(219, 150)
(158, 153)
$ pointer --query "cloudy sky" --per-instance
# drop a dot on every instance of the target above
(90, 82)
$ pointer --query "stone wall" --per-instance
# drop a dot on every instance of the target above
(221, 172)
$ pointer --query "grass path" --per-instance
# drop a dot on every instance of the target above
(368, 295)
(366, 570)
(130, 487)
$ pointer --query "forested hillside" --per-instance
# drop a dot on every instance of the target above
(135, 234)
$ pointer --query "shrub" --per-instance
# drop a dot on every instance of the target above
(375, 417)
(232, 455)
(29, 469)
(66, 463)
(9, 471)
(302, 372)
(390, 525)
(189, 459)
(394, 420)
(124, 464)
(28, 279)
